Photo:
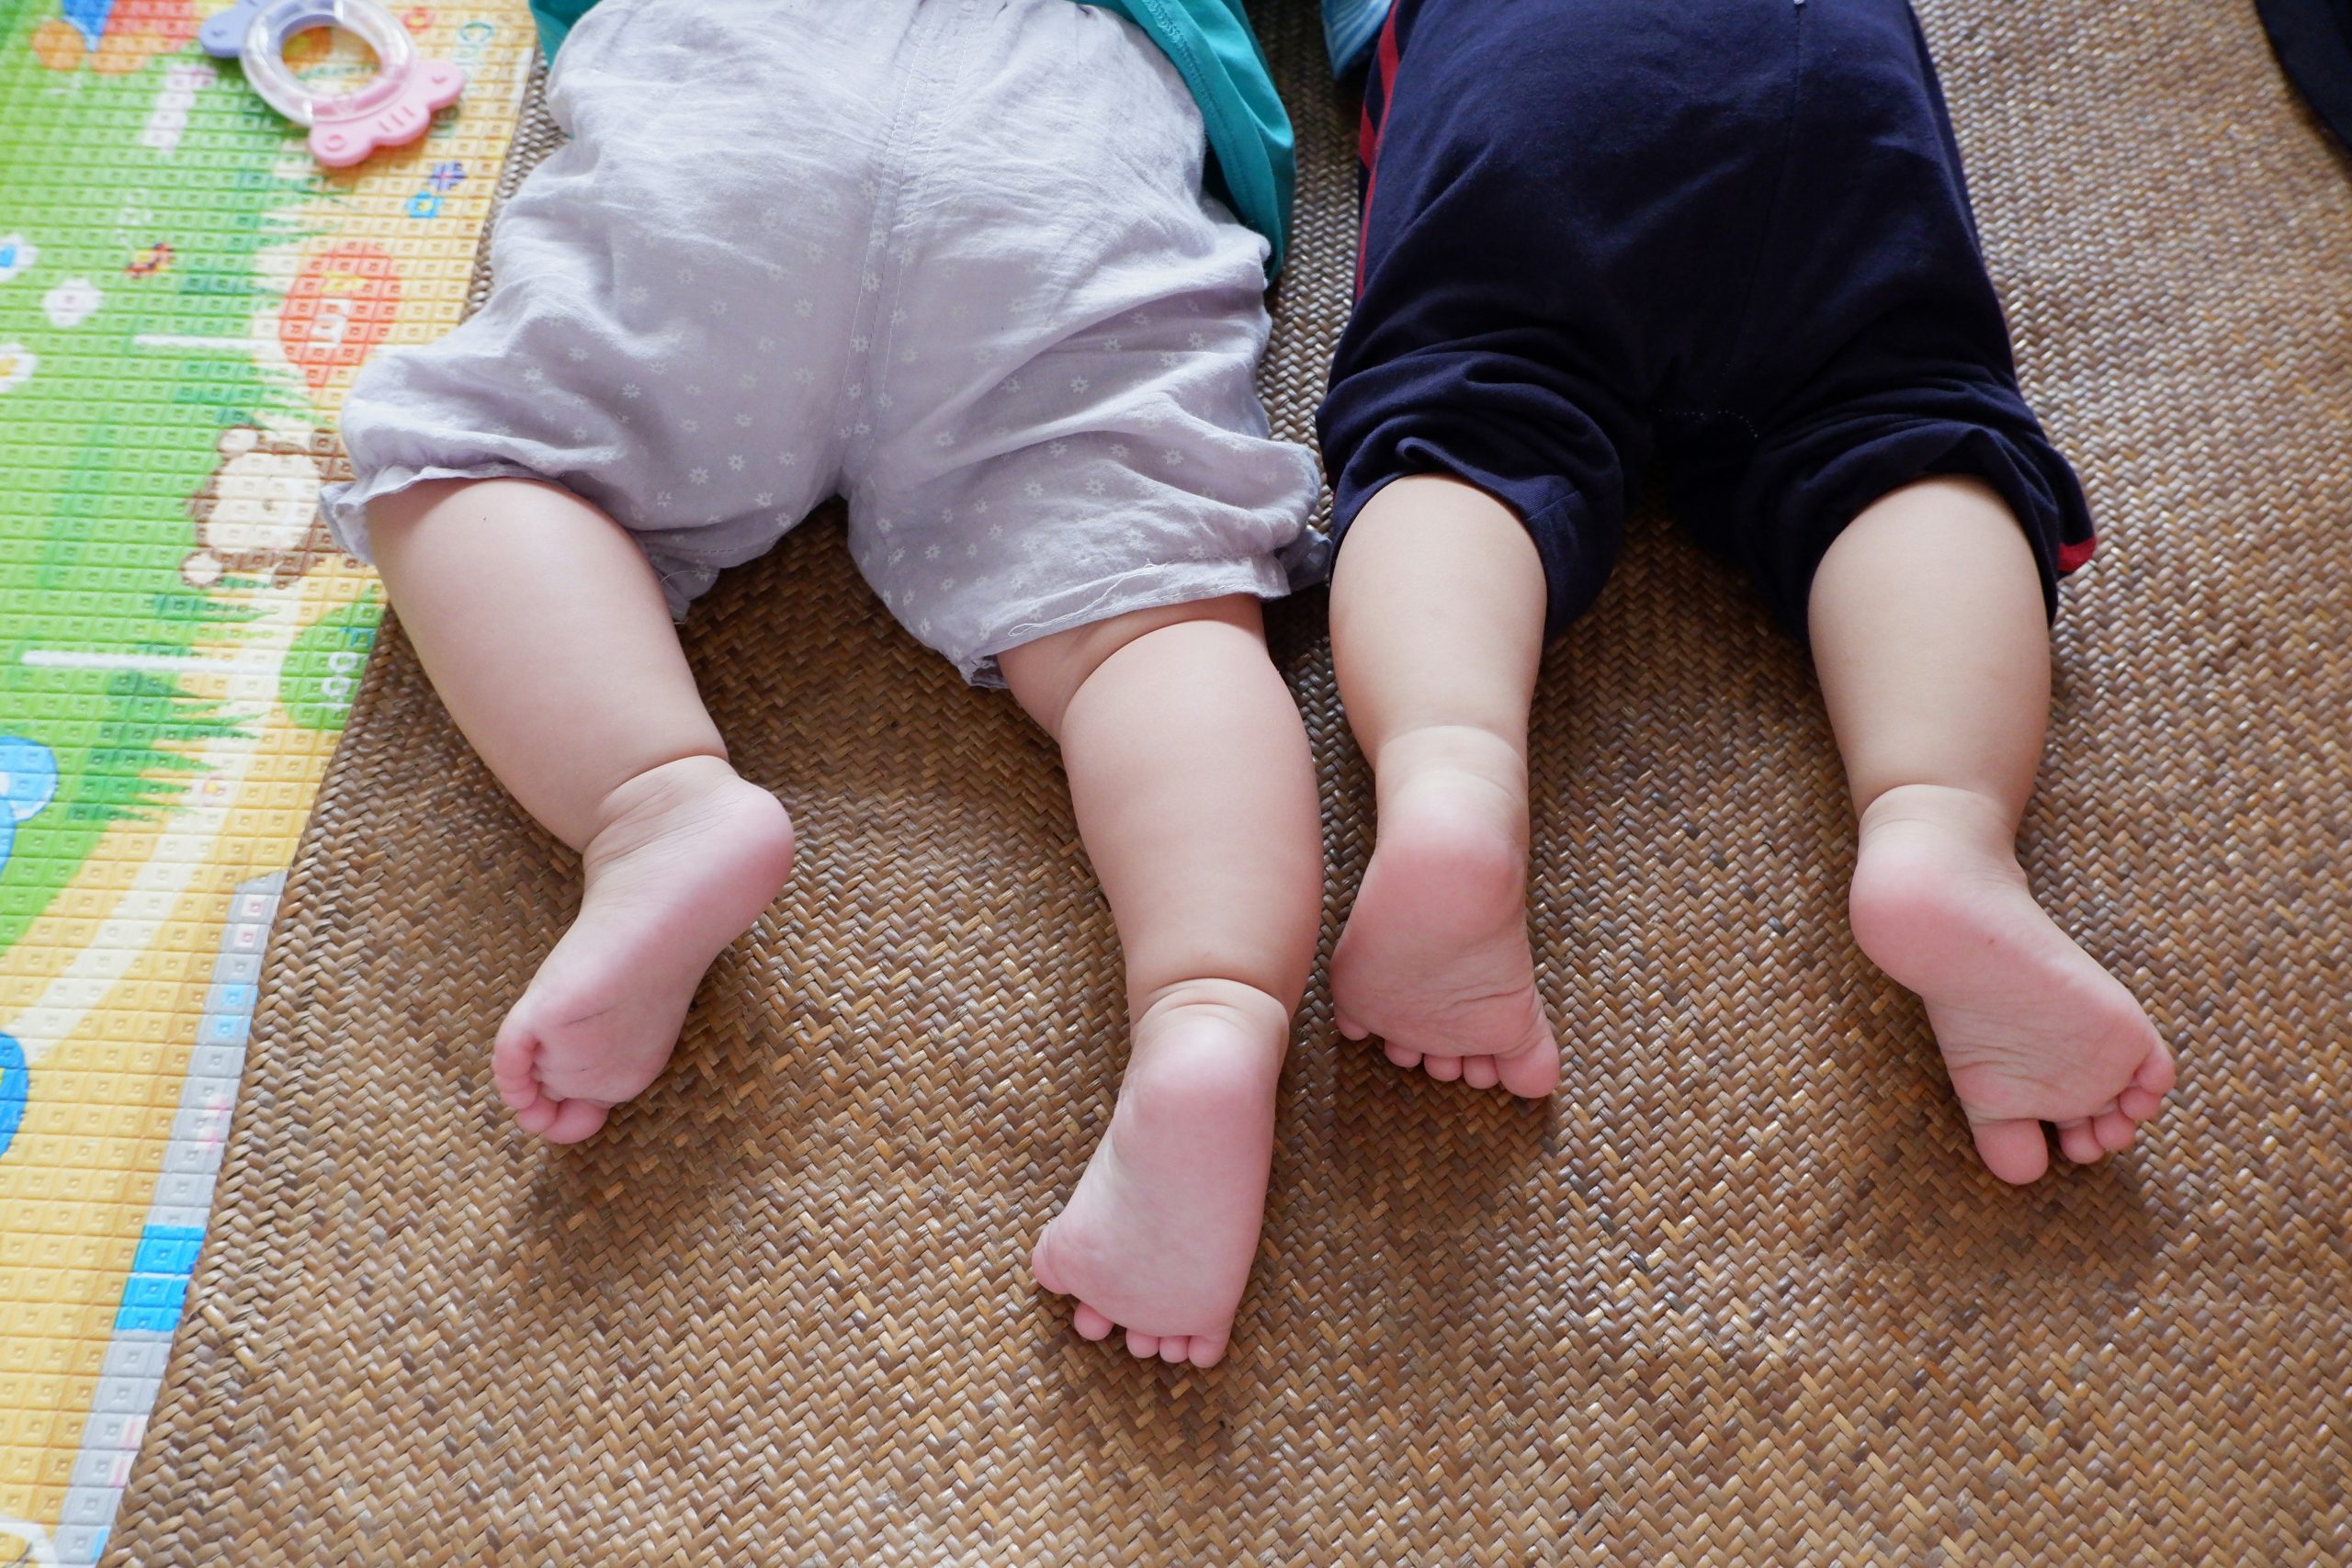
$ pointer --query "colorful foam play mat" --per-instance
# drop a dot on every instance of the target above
(185, 293)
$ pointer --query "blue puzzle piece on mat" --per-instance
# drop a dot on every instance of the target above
(27, 782)
(87, 17)
(16, 1085)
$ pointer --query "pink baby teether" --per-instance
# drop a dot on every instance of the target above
(396, 104)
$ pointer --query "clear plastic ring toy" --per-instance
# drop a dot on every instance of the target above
(392, 106)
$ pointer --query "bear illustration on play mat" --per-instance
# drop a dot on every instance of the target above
(257, 516)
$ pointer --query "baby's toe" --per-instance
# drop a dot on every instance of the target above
(1533, 1073)
(2138, 1103)
(1208, 1349)
(1480, 1072)
(512, 1071)
(1352, 1030)
(2080, 1144)
(1141, 1346)
(1400, 1057)
(2114, 1130)
(573, 1119)
(2016, 1151)
(2158, 1073)
(1090, 1324)
(1044, 1268)
(1446, 1069)
(1175, 1347)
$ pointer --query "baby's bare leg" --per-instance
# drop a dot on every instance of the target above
(1437, 626)
(1189, 769)
(546, 634)
(1926, 625)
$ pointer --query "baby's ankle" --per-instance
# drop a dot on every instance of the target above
(1956, 814)
(662, 789)
(1250, 1007)
(1240, 1028)
(1459, 763)
(698, 798)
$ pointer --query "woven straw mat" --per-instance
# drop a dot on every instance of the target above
(1741, 1295)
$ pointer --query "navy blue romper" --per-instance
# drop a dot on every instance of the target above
(1727, 240)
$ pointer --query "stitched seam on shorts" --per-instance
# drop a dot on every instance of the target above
(1779, 191)
(915, 105)
(1659, 412)
(911, 168)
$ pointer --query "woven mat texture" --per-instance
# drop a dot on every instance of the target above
(1741, 1295)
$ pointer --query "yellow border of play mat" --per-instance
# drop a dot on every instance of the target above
(127, 993)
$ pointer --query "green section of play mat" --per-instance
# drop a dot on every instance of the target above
(102, 438)
(184, 297)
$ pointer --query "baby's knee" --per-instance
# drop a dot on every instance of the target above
(1044, 675)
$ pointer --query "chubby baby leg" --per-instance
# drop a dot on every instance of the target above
(546, 634)
(1195, 793)
(1928, 630)
(1437, 627)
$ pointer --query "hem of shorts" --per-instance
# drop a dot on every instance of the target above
(345, 506)
(1565, 602)
(1265, 577)
(2051, 567)
(345, 509)
(1345, 510)
(1440, 465)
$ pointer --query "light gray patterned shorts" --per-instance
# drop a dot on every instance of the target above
(948, 258)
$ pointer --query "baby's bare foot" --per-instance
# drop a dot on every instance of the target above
(1159, 1235)
(2032, 1030)
(687, 856)
(1435, 960)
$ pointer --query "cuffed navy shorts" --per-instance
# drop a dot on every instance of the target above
(1725, 240)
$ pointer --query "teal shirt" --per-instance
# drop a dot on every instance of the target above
(1252, 160)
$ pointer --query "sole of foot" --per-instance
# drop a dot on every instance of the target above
(1159, 1235)
(1434, 961)
(2031, 1028)
(688, 856)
